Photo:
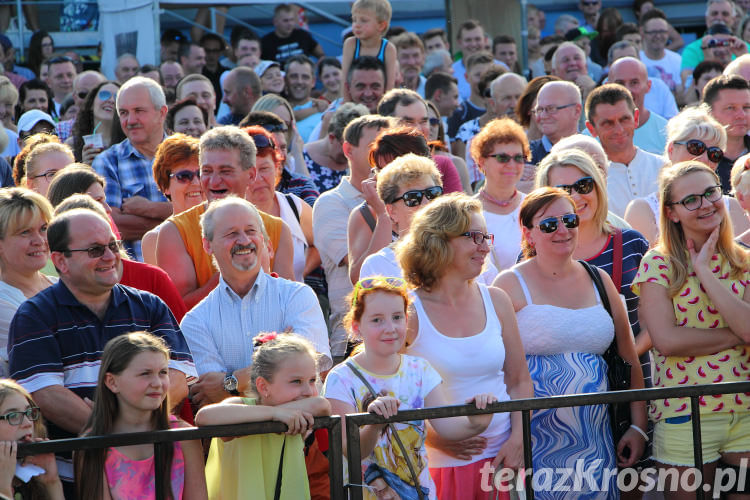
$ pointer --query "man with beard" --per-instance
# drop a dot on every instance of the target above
(246, 302)
(300, 80)
(410, 50)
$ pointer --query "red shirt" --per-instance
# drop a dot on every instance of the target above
(153, 279)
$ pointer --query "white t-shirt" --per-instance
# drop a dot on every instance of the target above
(660, 100)
(652, 136)
(636, 180)
(667, 68)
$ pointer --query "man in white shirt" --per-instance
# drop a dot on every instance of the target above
(660, 61)
(331, 213)
(246, 302)
(612, 117)
(471, 39)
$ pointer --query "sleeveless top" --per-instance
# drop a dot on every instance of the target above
(188, 224)
(507, 246)
(468, 366)
(381, 52)
(291, 217)
(587, 329)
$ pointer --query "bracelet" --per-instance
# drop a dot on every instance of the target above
(640, 431)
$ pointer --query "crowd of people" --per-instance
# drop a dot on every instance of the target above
(259, 231)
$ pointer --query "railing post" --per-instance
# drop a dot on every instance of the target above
(528, 468)
(695, 408)
(335, 460)
(354, 458)
(158, 465)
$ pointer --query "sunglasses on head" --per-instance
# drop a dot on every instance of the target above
(261, 141)
(584, 185)
(370, 283)
(549, 225)
(185, 176)
(478, 237)
(414, 198)
(697, 148)
(273, 127)
(717, 43)
(96, 251)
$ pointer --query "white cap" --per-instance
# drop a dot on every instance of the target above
(29, 119)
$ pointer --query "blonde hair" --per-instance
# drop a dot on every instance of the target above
(425, 253)
(695, 122)
(583, 162)
(18, 206)
(43, 149)
(405, 170)
(8, 387)
(271, 349)
(672, 241)
(741, 176)
(381, 8)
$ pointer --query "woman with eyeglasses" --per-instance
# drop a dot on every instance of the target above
(186, 117)
(693, 134)
(24, 215)
(565, 330)
(98, 116)
(468, 333)
(43, 163)
(695, 297)
(440, 147)
(500, 151)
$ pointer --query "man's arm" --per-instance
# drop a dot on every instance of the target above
(178, 389)
(63, 408)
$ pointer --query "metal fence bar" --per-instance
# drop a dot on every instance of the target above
(159, 465)
(336, 461)
(529, 471)
(697, 443)
(354, 457)
(187, 20)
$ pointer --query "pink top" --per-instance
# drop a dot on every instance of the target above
(134, 479)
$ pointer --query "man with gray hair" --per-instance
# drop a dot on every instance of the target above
(127, 67)
(569, 63)
(557, 111)
(438, 61)
(137, 203)
(246, 302)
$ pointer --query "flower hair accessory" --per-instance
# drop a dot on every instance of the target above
(264, 338)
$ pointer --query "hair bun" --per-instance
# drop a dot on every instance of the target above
(263, 338)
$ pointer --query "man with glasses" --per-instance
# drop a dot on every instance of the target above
(241, 90)
(137, 203)
(590, 10)
(659, 60)
(246, 302)
(633, 173)
(56, 338)
(557, 111)
(62, 72)
(82, 84)
(729, 100)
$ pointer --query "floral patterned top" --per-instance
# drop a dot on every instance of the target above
(694, 309)
(324, 178)
(413, 381)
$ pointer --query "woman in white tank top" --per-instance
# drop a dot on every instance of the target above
(468, 333)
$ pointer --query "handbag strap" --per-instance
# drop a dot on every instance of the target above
(277, 491)
(401, 446)
(617, 259)
(599, 284)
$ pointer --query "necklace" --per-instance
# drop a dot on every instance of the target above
(500, 203)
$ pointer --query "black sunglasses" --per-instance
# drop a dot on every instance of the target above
(272, 127)
(96, 251)
(185, 176)
(695, 201)
(434, 122)
(261, 141)
(479, 237)
(697, 148)
(60, 59)
(584, 185)
(82, 94)
(414, 198)
(505, 158)
(549, 225)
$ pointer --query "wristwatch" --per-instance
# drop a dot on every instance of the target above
(230, 384)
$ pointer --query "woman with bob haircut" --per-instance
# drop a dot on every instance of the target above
(693, 134)
(565, 330)
(475, 348)
(694, 287)
(501, 151)
(24, 215)
(186, 117)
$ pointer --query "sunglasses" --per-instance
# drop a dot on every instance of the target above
(16, 417)
(717, 43)
(549, 225)
(414, 198)
(478, 237)
(261, 141)
(105, 95)
(697, 148)
(584, 185)
(695, 201)
(505, 158)
(60, 59)
(96, 251)
(272, 127)
(590, 4)
(370, 283)
(434, 122)
(185, 176)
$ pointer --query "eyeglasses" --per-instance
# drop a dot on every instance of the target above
(549, 225)
(695, 201)
(434, 122)
(185, 176)
(49, 174)
(697, 148)
(506, 158)
(717, 43)
(261, 141)
(478, 237)
(96, 251)
(105, 95)
(550, 110)
(656, 33)
(584, 185)
(370, 283)
(272, 127)
(16, 417)
(414, 198)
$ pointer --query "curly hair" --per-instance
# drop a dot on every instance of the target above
(174, 150)
(499, 131)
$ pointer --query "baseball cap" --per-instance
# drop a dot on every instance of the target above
(263, 66)
(580, 32)
(29, 119)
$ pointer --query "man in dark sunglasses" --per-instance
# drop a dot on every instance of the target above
(82, 84)
(590, 10)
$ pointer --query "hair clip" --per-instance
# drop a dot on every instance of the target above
(264, 338)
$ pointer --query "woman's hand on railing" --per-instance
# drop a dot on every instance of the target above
(297, 421)
(635, 443)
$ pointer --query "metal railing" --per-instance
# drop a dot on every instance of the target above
(339, 491)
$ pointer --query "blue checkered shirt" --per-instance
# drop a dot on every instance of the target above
(128, 173)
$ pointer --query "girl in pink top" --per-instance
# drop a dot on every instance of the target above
(131, 396)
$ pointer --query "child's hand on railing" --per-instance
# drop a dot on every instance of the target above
(297, 421)
(481, 401)
(385, 406)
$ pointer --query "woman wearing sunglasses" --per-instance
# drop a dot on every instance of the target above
(98, 116)
(468, 333)
(565, 329)
(695, 297)
(176, 172)
(693, 134)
